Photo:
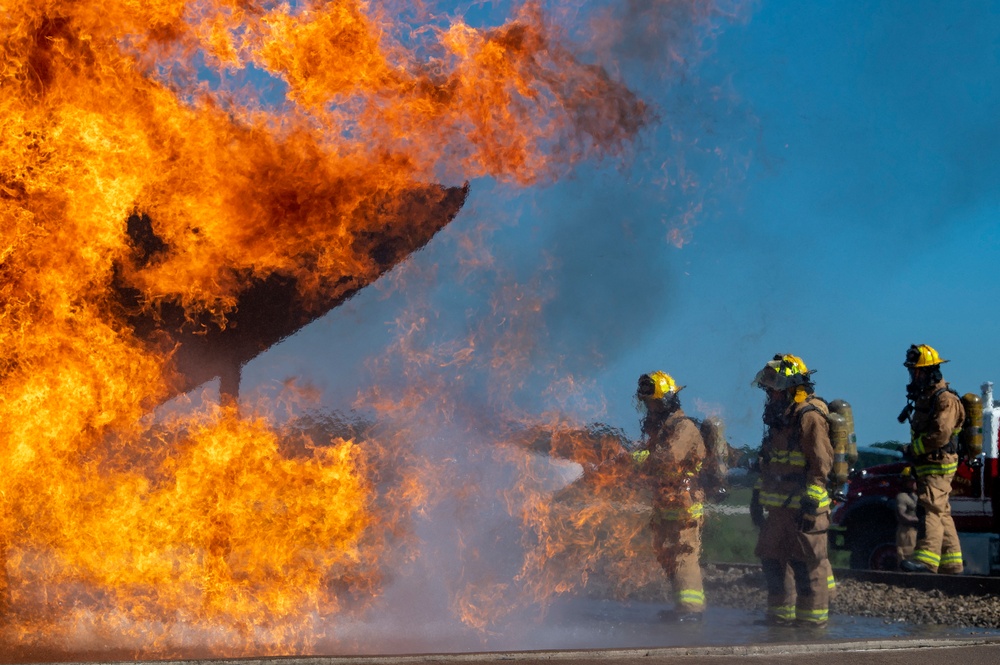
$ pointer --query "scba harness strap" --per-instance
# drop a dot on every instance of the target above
(815, 496)
(950, 448)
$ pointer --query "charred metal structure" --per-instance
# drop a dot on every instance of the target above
(271, 309)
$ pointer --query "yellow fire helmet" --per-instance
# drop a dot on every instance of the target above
(782, 372)
(922, 355)
(657, 385)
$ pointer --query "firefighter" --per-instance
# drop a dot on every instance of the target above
(796, 460)
(672, 459)
(907, 518)
(936, 415)
(758, 518)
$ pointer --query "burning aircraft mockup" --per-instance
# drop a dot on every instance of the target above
(161, 224)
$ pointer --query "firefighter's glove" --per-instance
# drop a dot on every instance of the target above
(756, 510)
(814, 500)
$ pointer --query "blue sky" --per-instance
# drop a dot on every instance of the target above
(845, 206)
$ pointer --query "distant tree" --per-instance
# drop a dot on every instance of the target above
(888, 445)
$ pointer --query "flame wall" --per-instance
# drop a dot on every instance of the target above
(158, 162)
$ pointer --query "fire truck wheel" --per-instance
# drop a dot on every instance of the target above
(875, 550)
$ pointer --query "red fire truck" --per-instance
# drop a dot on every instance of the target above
(864, 520)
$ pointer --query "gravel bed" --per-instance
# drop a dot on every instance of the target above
(744, 589)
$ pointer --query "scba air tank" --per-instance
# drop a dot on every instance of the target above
(842, 408)
(838, 437)
(716, 466)
(970, 439)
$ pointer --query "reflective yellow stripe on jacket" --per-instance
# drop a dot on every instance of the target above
(772, 499)
(793, 499)
(935, 468)
(926, 467)
(918, 447)
(819, 495)
(790, 457)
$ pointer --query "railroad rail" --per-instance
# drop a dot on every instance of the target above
(953, 585)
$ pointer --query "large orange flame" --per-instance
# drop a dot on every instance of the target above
(176, 176)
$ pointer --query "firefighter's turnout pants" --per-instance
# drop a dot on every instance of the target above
(791, 540)
(939, 548)
(907, 524)
(677, 543)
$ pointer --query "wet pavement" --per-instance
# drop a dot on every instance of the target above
(606, 624)
(609, 625)
(968, 652)
(590, 629)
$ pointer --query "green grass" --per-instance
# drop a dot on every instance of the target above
(729, 539)
(738, 496)
(732, 538)
(840, 558)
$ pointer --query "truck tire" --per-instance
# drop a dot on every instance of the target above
(875, 550)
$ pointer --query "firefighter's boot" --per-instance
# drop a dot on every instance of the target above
(911, 566)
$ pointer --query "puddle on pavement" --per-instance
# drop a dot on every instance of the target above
(604, 624)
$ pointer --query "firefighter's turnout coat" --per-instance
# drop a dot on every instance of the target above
(937, 419)
(796, 460)
(676, 455)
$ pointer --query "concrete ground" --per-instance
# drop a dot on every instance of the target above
(891, 652)
(591, 632)
(971, 651)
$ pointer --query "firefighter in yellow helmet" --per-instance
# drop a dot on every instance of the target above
(936, 415)
(795, 461)
(676, 452)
